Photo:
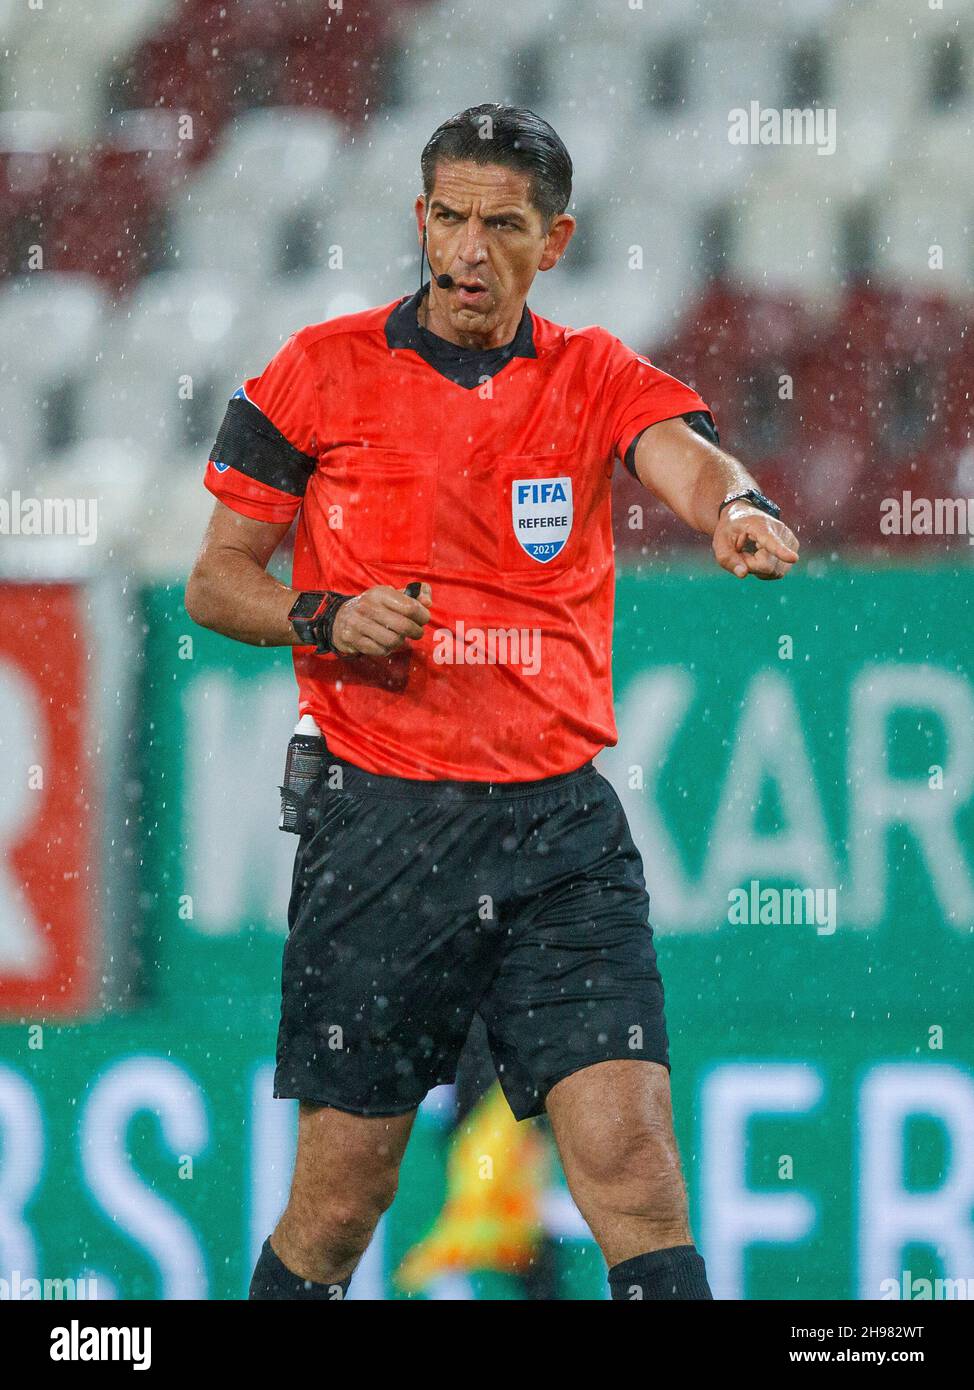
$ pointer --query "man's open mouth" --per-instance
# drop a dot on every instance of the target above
(471, 291)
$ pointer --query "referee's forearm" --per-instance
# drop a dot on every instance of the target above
(688, 473)
(718, 475)
(234, 596)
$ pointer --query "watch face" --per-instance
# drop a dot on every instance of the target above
(306, 605)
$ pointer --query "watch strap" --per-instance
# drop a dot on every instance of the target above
(312, 616)
(754, 499)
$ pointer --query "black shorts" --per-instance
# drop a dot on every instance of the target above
(415, 905)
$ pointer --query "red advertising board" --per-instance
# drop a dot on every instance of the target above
(50, 920)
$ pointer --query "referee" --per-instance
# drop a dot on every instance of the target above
(463, 854)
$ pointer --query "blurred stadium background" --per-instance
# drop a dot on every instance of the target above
(185, 183)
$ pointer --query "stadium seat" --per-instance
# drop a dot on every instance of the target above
(226, 218)
(297, 301)
(13, 18)
(590, 137)
(373, 224)
(333, 62)
(105, 211)
(52, 328)
(60, 55)
(440, 64)
(788, 238)
(121, 478)
(923, 237)
(523, 23)
(685, 163)
(379, 251)
(22, 179)
(869, 42)
(727, 71)
(169, 365)
(634, 24)
(637, 309)
(597, 77)
(174, 510)
(938, 154)
(735, 347)
(35, 132)
(901, 333)
(235, 49)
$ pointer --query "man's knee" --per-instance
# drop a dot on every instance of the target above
(349, 1215)
(345, 1176)
(635, 1170)
(346, 1221)
(336, 1223)
(371, 1200)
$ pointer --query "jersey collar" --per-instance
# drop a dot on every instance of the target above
(465, 367)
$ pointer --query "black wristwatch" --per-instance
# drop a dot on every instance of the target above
(313, 615)
(755, 498)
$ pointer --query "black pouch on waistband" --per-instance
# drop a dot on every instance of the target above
(302, 778)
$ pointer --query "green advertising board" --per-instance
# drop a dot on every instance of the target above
(797, 762)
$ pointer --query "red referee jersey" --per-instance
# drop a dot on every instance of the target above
(486, 474)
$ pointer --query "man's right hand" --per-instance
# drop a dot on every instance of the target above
(380, 621)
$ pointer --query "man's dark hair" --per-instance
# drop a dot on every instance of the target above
(509, 135)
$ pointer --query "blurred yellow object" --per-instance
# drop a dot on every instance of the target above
(491, 1219)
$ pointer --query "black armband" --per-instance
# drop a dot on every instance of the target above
(700, 421)
(313, 615)
(249, 442)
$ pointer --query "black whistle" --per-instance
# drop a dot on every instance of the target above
(412, 590)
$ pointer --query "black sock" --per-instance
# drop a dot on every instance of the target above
(273, 1279)
(678, 1272)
